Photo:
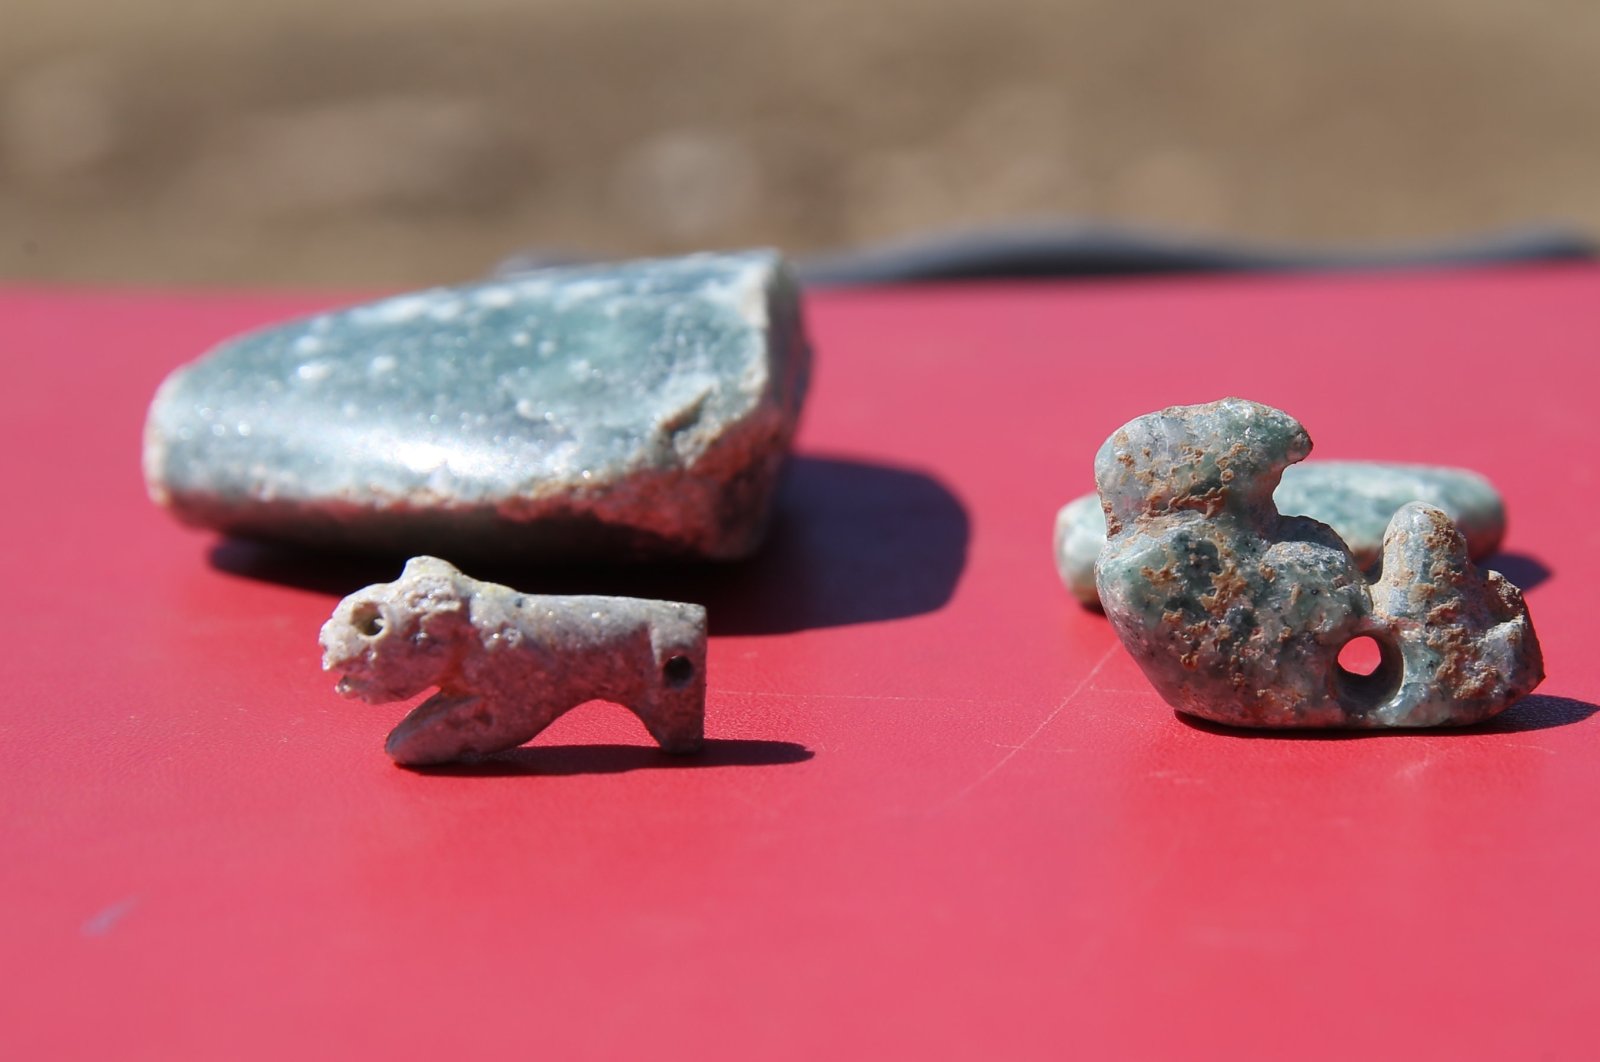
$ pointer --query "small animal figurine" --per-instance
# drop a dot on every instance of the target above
(1238, 614)
(508, 664)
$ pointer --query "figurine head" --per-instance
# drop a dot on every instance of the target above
(1224, 456)
(394, 640)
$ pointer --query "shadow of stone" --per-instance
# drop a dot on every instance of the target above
(331, 573)
(617, 759)
(1537, 712)
(1525, 572)
(1534, 712)
(851, 542)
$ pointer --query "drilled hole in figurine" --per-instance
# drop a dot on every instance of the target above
(1367, 673)
(367, 619)
(679, 672)
(1360, 656)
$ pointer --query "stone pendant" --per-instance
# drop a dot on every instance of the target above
(1238, 614)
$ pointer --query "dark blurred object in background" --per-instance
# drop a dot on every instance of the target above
(1060, 250)
(410, 141)
(1057, 250)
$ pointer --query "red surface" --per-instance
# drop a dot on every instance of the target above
(947, 816)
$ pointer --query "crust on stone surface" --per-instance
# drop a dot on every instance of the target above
(1356, 498)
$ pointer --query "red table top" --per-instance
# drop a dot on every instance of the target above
(943, 814)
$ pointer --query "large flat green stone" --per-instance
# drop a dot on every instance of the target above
(641, 409)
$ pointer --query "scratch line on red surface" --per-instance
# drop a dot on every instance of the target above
(1011, 753)
(789, 695)
(104, 920)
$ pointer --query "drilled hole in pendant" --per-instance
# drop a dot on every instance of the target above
(1360, 656)
(1367, 673)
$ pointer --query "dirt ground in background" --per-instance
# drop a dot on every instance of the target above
(407, 141)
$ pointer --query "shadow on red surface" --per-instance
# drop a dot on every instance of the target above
(615, 759)
(851, 542)
(1535, 712)
(1525, 572)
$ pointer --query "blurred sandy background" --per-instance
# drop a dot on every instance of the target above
(408, 141)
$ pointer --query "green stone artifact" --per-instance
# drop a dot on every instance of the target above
(633, 410)
(1355, 498)
(1238, 614)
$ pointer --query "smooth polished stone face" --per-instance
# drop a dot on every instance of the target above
(1355, 498)
(1238, 614)
(639, 409)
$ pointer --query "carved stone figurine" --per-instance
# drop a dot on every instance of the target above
(507, 664)
(1238, 614)
(1355, 498)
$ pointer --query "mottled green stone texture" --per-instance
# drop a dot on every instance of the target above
(1238, 614)
(633, 410)
(1355, 498)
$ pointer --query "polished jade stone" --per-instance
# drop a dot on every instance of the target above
(632, 410)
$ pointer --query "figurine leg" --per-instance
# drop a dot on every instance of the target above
(675, 714)
(444, 728)
(678, 733)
